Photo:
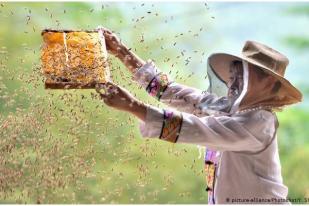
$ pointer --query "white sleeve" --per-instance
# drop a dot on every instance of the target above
(160, 86)
(250, 131)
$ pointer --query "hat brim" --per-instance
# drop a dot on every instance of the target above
(220, 63)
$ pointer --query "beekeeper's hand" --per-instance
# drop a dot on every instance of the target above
(113, 43)
(118, 49)
(119, 98)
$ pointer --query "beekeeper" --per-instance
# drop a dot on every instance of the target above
(234, 119)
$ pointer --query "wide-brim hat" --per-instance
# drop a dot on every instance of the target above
(262, 57)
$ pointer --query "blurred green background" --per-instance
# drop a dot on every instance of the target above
(68, 147)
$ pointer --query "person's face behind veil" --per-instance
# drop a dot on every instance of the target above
(226, 93)
(235, 83)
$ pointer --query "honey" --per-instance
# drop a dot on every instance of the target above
(74, 59)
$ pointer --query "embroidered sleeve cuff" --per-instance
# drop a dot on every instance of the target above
(171, 125)
(150, 77)
(165, 124)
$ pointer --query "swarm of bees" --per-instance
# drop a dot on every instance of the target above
(59, 146)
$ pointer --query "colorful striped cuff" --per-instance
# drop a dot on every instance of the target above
(158, 85)
(171, 126)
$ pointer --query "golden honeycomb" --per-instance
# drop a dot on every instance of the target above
(73, 59)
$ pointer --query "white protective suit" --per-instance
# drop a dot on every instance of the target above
(241, 161)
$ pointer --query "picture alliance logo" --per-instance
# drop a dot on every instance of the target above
(267, 200)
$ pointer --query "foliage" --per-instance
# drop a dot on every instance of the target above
(67, 147)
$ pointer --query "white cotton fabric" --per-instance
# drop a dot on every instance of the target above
(249, 167)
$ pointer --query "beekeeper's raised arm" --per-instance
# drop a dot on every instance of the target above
(156, 83)
(247, 131)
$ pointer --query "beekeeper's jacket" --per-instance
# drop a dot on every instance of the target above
(244, 142)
